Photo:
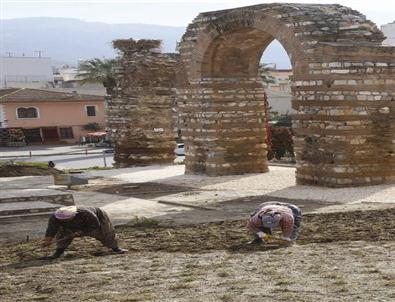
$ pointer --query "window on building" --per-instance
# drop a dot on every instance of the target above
(91, 110)
(66, 133)
(27, 112)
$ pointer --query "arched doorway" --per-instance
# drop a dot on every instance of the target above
(334, 52)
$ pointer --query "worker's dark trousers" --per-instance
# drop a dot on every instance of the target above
(295, 211)
(105, 233)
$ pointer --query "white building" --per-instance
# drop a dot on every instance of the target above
(68, 74)
(279, 93)
(26, 72)
(389, 32)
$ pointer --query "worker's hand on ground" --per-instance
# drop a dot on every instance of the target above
(47, 241)
(286, 239)
(262, 235)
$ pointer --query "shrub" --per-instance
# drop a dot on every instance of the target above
(280, 143)
(92, 127)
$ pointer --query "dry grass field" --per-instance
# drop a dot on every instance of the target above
(343, 256)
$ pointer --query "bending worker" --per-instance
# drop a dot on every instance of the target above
(70, 222)
(272, 214)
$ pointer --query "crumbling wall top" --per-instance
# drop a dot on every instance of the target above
(143, 45)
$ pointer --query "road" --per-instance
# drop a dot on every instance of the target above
(73, 161)
(64, 156)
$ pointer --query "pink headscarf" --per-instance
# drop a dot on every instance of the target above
(66, 212)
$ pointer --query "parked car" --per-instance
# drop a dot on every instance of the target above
(283, 121)
(180, 150)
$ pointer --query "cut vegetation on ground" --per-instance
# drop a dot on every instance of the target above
(345, 256)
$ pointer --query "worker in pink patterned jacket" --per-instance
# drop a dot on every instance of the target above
(272, 214)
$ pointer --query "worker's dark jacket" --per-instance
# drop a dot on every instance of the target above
(88, 221)
(85, 221)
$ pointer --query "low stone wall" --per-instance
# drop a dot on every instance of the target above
(65, 199)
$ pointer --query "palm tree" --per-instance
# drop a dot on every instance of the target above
(264, 73)
(97, 71)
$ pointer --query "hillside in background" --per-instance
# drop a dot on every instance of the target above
(68, 40)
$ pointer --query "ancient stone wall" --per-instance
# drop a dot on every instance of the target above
(140, 113)
(343, 92)
(345, 120)
(222, 122)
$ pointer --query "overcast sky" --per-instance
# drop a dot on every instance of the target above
(173, 12)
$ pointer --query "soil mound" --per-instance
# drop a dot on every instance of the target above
(18, 170)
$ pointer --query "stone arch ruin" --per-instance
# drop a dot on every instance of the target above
(343, 93)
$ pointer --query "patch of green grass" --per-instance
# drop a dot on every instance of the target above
(223, 274)
(88, 169)
(40, 297)
(373, 271)
(359, 253)
(136, 298)
(180, 162)
(5, 288)
(179, 285)
(192, 265)
(342, 289)
(330, 276)
(283, 282)
(315, 268)
(189, 279)
(155, 263)
(186, 274)
(101, 282)
(226, 298)
(281, 289)
(339, 282)
(144, 222)
(390, 283)
(31, 164)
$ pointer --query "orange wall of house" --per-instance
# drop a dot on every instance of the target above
(56, 114)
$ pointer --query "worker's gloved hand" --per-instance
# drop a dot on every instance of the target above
(286, 239)
(263, 236)
(47, 241)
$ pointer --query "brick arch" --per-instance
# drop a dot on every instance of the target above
(257, 32)
(298, 27)
(335, 52)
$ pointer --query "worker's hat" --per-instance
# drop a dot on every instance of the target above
(66, 212)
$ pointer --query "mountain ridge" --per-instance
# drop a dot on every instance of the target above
(68, 40)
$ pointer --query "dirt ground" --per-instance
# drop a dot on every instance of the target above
(345, 256)
(18, 170)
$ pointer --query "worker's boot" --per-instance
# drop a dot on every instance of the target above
(119, 250)
(59, 252)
